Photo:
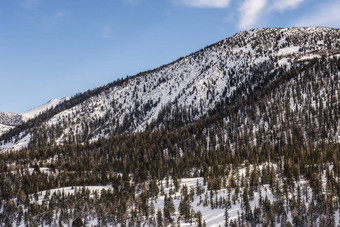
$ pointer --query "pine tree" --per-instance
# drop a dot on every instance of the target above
(159, 218)
(226, 217)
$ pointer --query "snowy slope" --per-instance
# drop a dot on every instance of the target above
(212, 203)
(39, 109)
(213, 210)
(5, 128)
(195, 84)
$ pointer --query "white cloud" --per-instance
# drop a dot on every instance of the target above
(326, 15)
(29, 4)
(206, 3)
(286, 4)
(253, 11)
(250, 12)
(107, 32)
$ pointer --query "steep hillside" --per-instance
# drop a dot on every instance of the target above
(189, 88)
(270, 159)
(242, 133)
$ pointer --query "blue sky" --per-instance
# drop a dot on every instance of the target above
(56, 48)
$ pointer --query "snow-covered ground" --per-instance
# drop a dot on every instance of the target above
(211, 203)
(215, 216)
(288, 50)
(68, 191)
(212, 216)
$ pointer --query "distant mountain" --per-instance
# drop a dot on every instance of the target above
(10, 120)
(40, 109)
(186, 90)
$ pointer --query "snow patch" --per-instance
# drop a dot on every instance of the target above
(288, 50)
(5, 128)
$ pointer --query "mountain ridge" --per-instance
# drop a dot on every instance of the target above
(41, 108)
(212, 76)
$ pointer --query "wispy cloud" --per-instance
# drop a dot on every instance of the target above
(206, 3)
(250, 12)
(107, 32)
(253, 11)
(29, 4)
(58, 17)
(286, 4)
(326, 15)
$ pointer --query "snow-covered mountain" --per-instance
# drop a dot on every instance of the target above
(40, 109)
(189, 88)
(244, 132)
(10, 120)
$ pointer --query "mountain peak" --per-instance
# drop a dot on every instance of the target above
(39, 109)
